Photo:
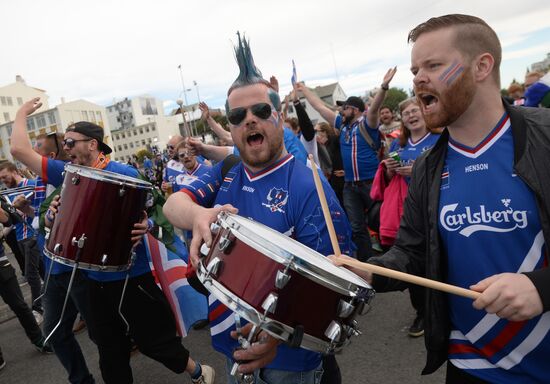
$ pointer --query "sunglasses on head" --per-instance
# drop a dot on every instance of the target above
(170, 147)
(183, 155)
(70, 143)
(237, 115)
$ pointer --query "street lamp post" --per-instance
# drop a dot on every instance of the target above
(197, 88)
(185, 126)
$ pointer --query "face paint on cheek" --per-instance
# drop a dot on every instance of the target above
(274, 118)
(451, 73)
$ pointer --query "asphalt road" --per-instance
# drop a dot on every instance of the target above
(382, 354)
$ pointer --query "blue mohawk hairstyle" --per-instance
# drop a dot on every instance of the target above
(248, 72)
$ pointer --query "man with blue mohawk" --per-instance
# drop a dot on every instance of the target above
(254, 113)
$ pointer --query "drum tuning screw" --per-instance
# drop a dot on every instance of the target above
(282, 279)
(270, 303)
(345, 309)
(80, 242)
(334, 331)
(225, 242)
(214, 228)
(104, 260)
(58, 248)
(121, 192)
(213, 266)
(75, 180)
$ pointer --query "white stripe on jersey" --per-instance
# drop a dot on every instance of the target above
(223, 326)
(488, 145)
(457, 335)
(472, 364)
(528, 264)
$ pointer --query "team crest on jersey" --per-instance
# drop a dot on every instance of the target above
(276, 200)
(469, 220)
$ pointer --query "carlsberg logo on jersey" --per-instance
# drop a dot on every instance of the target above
(473, 219)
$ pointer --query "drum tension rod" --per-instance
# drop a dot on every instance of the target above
(282, 277)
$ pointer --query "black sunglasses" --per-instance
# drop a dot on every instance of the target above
(70, 143)
(237, 115)
(170, 147)
(53, 135)
(183, 155)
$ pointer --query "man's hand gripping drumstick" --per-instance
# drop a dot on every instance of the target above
(366, 270)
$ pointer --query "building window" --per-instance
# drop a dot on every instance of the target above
(10, 101)
(147, 129)
(92, 116)
(7, 116)
(141, 131)
(30, 124)
(290, 108)
(119, 148)
(135, 132)
(19, 101)
(131, 145)
(9, 130)
(143, 142)
(123, 136)
(85, 115)
(3, 100)
(40, 121)
(125, 146)
(149, 140)
(51, 118)
(153, 128)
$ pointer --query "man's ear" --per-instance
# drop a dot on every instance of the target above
(483, 66)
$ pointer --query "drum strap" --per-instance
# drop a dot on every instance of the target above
(101, 161)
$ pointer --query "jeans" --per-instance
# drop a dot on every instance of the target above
(30, 249)
(13, 297)
(63, 342)
(275, 376)
(356, 201)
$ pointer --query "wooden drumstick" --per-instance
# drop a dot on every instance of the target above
(413, 279)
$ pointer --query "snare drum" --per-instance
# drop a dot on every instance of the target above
(94, 222)
(284, 287)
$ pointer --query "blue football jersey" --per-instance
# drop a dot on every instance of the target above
(283, 197)
(489, 224)
(186, 177)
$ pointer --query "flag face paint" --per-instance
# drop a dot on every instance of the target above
(451, 73)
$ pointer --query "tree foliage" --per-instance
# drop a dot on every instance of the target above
(141, 155)
(394, 96)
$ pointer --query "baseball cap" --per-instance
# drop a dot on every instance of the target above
(92, 131)
(354, 101)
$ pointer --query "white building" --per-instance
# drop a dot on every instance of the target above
(139, 123)
(12, 96)
(57, 120)
(541, 66)
(330, 94)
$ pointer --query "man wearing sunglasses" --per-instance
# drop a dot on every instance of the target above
(271, 187)
(152, 325)
(173, 167)
(192, 169)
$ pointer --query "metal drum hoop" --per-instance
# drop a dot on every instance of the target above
(107, 176)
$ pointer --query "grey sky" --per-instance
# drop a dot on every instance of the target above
(100, 50)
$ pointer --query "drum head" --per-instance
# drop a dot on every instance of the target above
(106, 176)
(283, 249)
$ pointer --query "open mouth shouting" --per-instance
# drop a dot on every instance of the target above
(428, 101)
(254, 139)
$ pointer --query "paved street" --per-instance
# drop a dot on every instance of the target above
(383, 354)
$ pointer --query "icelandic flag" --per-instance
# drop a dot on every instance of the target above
(294, 76)
(170, 270)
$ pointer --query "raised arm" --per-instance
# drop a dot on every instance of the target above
(211, 152)
(21, 147)
(319, 105)
(306, 126)
(374, 109)
(214, 125)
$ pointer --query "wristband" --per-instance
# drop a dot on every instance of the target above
(384, 88)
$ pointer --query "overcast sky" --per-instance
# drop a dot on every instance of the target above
(104, 50)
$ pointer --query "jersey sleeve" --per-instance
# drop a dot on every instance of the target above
(394, 146)
(311, 228)
(338, 121)
(204, 189)
(52, 171)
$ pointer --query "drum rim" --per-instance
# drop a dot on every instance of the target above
(108, 176)
(13, 191)
(85, 266)
(314, 272)
(240, 306)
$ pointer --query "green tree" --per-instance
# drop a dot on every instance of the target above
(141, 155)
(394, 96)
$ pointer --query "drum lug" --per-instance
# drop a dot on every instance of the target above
(334, 331)
(75, 180)
(214, 228)
(353, 329)
(225, 242)
(214, 266)
(345, 309)
(362, 301)
(58, 248)
(282, 279)
(80, 242)
(47, 235)
(121, 191)
(204, 250)
(104, 261)
(270, 303)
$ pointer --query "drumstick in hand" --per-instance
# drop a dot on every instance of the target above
(375, 268)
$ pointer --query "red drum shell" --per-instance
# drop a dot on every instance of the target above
(95, 207)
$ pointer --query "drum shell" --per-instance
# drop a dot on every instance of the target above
(102, 213)
(250, 275)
